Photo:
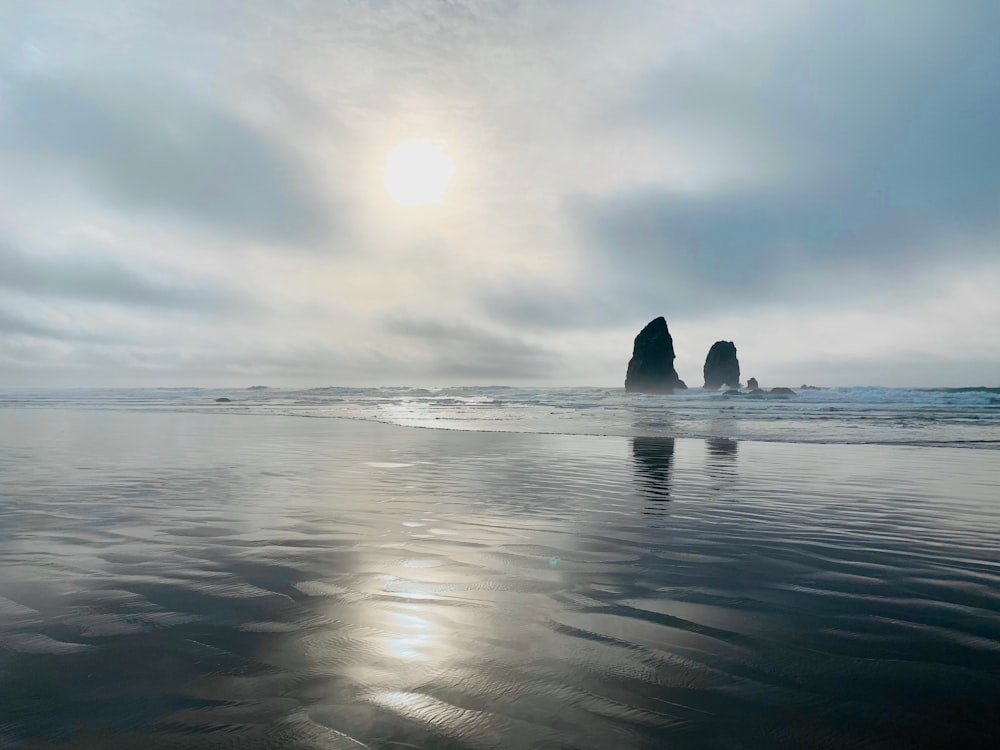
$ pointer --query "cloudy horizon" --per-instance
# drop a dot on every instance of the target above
(193, 193)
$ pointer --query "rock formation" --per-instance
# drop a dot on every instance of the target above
(651, 369)
(721, 366)
(753, 385)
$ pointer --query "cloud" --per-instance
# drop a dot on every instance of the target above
(149, 144)
(18, 325)
(460, 350)
(875, 131)
(35, 323)
(74, 356)
(98, 279)
(588, 304)
(766, 166)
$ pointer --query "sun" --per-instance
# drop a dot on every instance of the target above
(417, 172)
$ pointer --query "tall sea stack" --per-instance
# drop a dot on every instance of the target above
(721, 366)
(651, 369)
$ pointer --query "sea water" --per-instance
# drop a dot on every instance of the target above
(554, 568)
(962, 417)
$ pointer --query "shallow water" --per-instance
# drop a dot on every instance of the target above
(240, 581)
(941, 417)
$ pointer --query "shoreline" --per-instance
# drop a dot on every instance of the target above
(464, 425)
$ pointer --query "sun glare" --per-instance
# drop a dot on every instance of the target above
(418, 172)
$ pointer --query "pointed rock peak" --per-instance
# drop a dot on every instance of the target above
(651, 369)
(722, 368)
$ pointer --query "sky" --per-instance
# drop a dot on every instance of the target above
(192, 192)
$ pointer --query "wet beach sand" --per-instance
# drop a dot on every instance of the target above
(172, 580)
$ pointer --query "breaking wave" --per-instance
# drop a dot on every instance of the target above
(964, 417)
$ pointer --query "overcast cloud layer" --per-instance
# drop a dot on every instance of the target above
(191, 191)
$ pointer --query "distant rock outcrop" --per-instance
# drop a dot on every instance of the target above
(721, 366)
(753, 385)
(223, 400)
(651, 369)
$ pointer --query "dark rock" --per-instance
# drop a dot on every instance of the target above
(721, 366)
(781, 392)
(752, 384)
(651, 369)
(805, 387)
(223, 400)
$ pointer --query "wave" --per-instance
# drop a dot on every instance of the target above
(959, 417)
(967, 389)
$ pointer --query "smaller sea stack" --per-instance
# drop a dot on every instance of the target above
(721, 366)
(651, 369)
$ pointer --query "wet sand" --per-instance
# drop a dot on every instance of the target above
(220, 581)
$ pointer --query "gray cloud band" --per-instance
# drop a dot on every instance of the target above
(156, 146)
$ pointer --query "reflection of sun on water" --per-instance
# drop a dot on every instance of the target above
(418, 172)
(413, 636)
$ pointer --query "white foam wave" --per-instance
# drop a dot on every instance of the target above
(869, 414)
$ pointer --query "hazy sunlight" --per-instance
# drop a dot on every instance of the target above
(418, 172)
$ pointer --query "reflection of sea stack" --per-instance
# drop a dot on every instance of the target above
(654, 458)
(651, 369)
(721, 447)
(721, 464)
(721, 366)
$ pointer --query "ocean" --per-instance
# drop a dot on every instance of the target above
(959, 417)
(499, 567)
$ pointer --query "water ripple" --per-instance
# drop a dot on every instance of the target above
(186, 580)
